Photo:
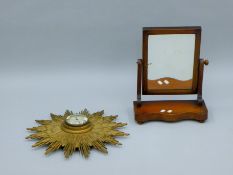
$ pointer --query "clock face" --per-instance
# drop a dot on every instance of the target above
(76, 120)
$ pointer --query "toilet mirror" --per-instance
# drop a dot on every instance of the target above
(170, 60)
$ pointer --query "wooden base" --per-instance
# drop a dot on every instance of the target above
(170, 111)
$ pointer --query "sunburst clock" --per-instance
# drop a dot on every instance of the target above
(77, 131)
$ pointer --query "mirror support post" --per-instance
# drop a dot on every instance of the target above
(139, 81)
(202, 62)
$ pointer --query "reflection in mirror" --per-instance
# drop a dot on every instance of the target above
(170, 61)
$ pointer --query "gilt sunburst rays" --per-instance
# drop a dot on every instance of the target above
(102, 130)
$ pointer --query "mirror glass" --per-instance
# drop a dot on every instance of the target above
(170, 61)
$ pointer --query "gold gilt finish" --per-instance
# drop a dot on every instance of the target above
(57, 134)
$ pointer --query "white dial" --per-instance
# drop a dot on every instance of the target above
(76, 120)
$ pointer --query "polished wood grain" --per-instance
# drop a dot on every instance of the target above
(170, 111)
(139, 80)
(172, 83)
(202, 62)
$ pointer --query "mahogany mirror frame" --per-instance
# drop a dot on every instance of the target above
(171, 110)
(170, 30)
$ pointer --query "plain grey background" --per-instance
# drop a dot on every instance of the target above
(74, 54)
